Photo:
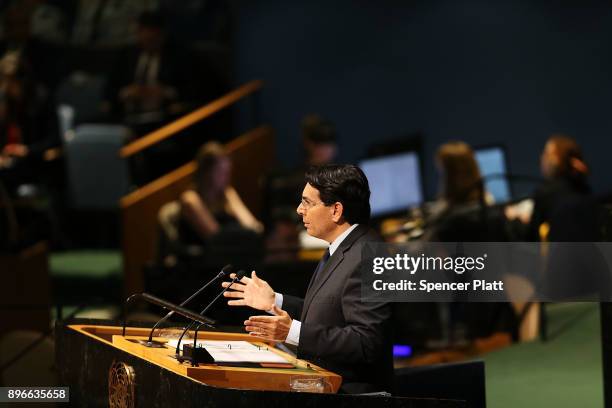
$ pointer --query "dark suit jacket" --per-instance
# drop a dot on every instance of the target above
(572, 212)
(175, 71)
(339, 332)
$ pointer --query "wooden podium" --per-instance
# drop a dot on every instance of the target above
(271, 379)
(103, 368)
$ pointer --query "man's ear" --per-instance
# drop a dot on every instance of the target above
(337, 211)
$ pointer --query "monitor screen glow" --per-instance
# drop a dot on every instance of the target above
(492, 161)
(395, 182)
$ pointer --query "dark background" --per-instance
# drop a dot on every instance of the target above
(509, 71)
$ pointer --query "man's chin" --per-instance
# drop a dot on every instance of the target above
(310, 231)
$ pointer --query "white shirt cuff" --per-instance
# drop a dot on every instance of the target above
(293, 337)
(278, 301)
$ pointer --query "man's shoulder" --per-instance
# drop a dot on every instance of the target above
(372, 236)
(367, 233)
(360, 235)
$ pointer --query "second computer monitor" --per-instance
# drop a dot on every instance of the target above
(395, 182)
(494, 169)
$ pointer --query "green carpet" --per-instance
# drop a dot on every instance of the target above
(566, 371)
(86, 277)
(85, 263)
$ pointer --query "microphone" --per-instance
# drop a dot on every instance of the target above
(239, 275)
(166, 305)
(227, 269)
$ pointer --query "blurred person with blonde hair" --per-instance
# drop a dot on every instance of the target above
(213, 203)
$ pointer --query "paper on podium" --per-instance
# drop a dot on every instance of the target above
(236, 351)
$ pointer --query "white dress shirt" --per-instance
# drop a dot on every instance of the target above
(294, 331)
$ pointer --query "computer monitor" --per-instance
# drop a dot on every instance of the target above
(493, 166)
(395, 182)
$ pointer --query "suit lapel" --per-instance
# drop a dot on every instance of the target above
(312, 278)
(334, 261)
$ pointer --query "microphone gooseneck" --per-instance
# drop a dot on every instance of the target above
(226, 270)
(239, 275)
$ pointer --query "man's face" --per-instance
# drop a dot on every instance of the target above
(319, 219)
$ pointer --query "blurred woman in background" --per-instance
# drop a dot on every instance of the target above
(464, 214)
(460, 212)
(460, 174)
(564, 202)
(205, 228)
(213, 204)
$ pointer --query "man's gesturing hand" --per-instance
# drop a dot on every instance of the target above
(253, 292)
(271, 328)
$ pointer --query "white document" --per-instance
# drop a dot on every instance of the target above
(235, 351)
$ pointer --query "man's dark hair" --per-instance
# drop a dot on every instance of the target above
(346, 184)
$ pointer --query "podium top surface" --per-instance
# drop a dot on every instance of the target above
(256, 378)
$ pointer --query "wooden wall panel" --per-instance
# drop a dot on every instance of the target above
(25, 294)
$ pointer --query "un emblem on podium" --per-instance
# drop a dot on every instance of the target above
(121, 381)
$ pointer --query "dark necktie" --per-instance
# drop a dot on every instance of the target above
(320, 266)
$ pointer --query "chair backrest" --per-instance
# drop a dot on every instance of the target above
(460, 381)
(97, 176)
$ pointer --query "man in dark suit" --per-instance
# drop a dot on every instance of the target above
(152, 81)
(331, 326)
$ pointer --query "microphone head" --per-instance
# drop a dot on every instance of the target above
(240, 274)
(227, 269)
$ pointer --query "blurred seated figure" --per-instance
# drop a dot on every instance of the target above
(38, 60)
(319, 147)
(211, 212)
(565, 210)
(283, 187)
(564, 201)
(28, 130)
(151, 80)
(28, 123)
(318, 140)
(462, 212)
(47, 21)
(214, 203)
(107, 23)
(28, 126)
(282, 243)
